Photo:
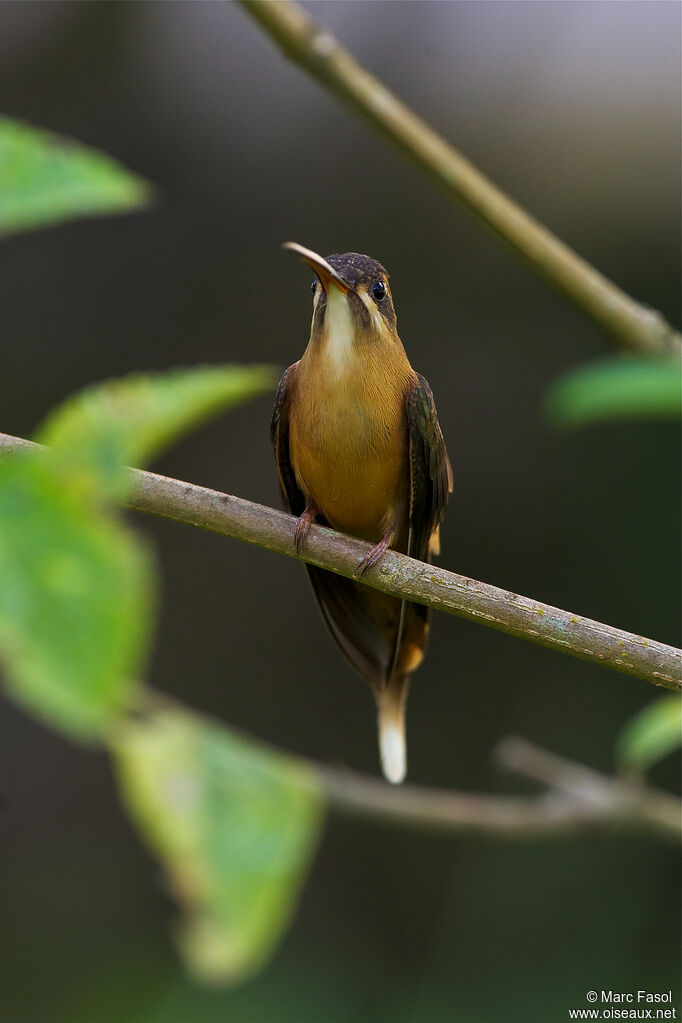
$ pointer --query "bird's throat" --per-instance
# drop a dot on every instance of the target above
(339, 333)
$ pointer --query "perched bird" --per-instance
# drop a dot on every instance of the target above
(359, 448)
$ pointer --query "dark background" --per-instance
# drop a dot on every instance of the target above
(574, 110)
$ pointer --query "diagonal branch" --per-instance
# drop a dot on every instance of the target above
(403, 577)
(310, 45)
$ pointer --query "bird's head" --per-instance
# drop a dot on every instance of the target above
(352, 303)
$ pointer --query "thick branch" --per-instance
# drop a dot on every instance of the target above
(315, 49)
(404, 577)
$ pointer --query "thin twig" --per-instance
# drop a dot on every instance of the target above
(311, 45)
(623, 796)
(404, 577)
(605, 806)
(597, 805)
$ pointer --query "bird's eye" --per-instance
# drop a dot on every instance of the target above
(379, 290)
(313, 286)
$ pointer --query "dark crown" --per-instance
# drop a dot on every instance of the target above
(356, 268)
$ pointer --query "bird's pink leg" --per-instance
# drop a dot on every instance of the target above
(303, 524)
(378, 551)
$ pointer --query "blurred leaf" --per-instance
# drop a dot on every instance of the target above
(235, 827)
(616, 389)
(127, 421)
(653, 733)
(75, 599)
(45, 178)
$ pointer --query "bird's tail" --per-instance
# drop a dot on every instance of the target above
(391, 714)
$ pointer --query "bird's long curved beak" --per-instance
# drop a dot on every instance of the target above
(325, 273)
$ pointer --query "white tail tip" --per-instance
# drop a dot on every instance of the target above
(391, 712)
(393, 752)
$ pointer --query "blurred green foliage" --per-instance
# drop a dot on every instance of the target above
(45, 179)
(651, 735)
(627, 389)
(126, 422)
(235, 826)
(76, 601)
(616, 388)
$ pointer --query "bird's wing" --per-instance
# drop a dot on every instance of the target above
(279, 435)
(430, 480)
(363, 622)
(430, 470)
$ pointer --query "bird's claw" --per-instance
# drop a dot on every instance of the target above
(303, 524)
(376, 554)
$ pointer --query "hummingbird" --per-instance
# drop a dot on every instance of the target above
(359, 448)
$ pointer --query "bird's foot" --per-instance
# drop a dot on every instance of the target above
(303, 524)
(377, 552)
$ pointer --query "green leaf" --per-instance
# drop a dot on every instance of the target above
(75, 600)
(127, 421)
(234, 826)
(651, 735)
(76, 596)
(45, 178)
(631, 388)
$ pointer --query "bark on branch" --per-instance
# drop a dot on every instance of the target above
(310, 45)
(401, 576)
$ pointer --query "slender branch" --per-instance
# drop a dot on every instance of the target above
(578, 800)
(403, 577)
(601, 804)
(622, 796)
(314, 48)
